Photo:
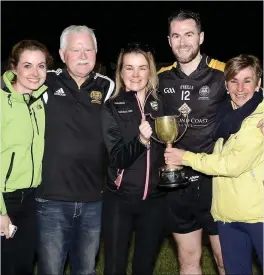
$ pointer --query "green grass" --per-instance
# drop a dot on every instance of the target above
(167, 261)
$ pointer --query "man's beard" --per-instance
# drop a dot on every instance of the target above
(187, 59)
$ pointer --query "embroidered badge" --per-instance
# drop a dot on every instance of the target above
(96, 97)
(154, 105)
(204, 93)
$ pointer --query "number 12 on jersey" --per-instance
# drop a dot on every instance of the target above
(185, 95)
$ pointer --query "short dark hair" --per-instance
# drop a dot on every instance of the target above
(181, 15)
(31, 45)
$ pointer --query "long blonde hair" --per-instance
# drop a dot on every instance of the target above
(152, 85)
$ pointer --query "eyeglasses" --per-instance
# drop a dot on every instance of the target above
(135, 46)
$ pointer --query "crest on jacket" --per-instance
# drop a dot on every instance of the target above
(96, 97)
(154, 105)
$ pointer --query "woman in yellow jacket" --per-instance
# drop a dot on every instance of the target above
(237, 166)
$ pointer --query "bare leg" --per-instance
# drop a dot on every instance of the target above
(189, 252)
(216, 247)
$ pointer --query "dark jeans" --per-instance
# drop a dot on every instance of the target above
(68, 227)
(17, 254)
(237, 240)
(120, 218)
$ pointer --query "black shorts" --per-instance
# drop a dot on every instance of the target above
(189, 207)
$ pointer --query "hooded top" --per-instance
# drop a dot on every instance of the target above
(22, 138)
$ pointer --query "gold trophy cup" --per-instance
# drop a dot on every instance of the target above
(167, 130)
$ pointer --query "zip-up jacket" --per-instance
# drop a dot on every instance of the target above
(237, 167)
(133, 169)
(22, 138)
(199, 95)
(75, 154)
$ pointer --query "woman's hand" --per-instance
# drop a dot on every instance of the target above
(173, 156)
(4, 222)
(261, 125)
(145, 131)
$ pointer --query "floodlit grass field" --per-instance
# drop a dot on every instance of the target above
(167, 261)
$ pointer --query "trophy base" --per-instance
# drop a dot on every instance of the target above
(172, 178)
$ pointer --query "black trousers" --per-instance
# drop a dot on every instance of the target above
(17, 254)
(120, 218)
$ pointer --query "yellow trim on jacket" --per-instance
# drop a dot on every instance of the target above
(237, 167)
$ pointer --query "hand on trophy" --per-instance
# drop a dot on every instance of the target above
(145, 131)
(173, 156)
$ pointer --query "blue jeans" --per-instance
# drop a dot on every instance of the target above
(68, 227)
(237, 240)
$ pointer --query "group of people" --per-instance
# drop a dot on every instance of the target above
(60, 129)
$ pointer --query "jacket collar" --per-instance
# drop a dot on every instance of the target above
(8, 77)
(131, 94)
(203, 64)
(66, 75)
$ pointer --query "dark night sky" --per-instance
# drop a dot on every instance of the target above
(230, 27)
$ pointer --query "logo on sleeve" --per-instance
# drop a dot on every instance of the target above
(96, 97)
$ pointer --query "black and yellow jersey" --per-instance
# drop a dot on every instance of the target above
(199, 95)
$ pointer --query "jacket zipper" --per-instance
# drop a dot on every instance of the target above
(31, 150)
(9, 169)
(36, 121)
(31, 147)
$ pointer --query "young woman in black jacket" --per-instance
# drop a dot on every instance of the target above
(132, 201)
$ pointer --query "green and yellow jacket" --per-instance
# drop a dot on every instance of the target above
(22, 138)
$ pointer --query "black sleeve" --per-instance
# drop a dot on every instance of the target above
(51, 81)
(121, 154)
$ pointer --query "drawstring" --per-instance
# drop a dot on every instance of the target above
(9, 100)
(148, 154)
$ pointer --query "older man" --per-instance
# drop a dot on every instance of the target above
(69, 198)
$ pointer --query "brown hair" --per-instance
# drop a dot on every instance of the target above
(31, 45)
(147, 53)
(238, 63)
(181, 15)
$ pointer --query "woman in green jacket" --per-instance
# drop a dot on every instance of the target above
(22, 142)
(237, 166)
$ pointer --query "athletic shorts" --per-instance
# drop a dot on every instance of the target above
(189, 208)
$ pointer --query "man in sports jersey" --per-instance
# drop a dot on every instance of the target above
(194, 84)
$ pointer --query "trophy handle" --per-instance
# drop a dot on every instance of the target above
(186, 124)
(150, 115)
(153, 118)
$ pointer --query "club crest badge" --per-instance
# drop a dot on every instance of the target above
(204, 93)
(96, 97)
(154, 105)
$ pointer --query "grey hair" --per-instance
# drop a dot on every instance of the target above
(76, 29)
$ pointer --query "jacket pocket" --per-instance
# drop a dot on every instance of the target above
(9, 171)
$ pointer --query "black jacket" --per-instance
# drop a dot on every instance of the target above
(199, 94)
(75, 153)
(129, 173)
